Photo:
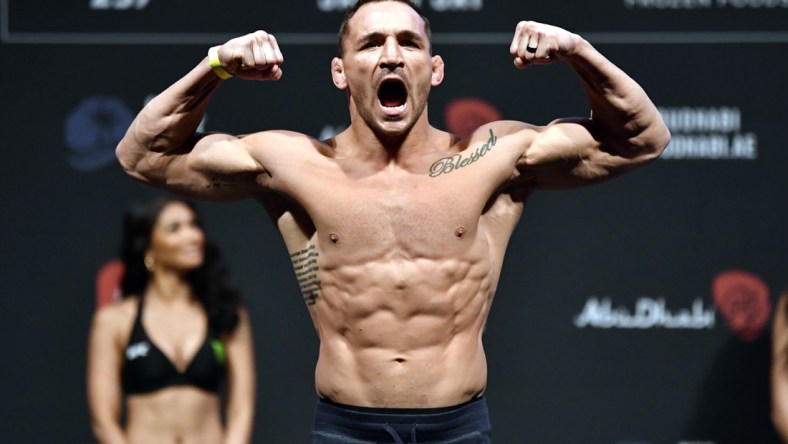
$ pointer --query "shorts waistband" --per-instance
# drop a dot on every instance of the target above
(367, 423)
(399, 411)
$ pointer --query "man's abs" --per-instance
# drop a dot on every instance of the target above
(403, 333)
(436, 377)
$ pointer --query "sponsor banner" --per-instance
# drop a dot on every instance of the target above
(126, 18)
(648, 313)
(712, 133)
(643, 441)
(705, 4)
(741, 297)
(317, 21)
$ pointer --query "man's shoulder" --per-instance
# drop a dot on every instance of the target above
(285, 143)
(509, 133)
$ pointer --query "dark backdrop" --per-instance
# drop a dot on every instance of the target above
(607, 325)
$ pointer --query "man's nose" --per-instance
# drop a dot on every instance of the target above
(391, 56)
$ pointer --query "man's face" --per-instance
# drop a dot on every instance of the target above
(387, 67)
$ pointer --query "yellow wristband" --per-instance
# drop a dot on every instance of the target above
(216, 65)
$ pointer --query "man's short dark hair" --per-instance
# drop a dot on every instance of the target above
(343, 28)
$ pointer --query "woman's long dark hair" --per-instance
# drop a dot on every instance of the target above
(210, 283)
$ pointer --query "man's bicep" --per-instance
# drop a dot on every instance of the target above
(214, 167)
(569, 153)
(217, 156)
(560, 141)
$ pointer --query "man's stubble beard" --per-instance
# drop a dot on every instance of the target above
(368, 116)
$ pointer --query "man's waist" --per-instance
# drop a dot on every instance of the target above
(377, 424)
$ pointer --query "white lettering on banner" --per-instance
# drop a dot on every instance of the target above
(649, 313)
(704, 4)
(667, 4)
(118, 4)
(708, 133)
(334, 5)
(715, 147)
(753, 3)
(437, 5)
(723, 119)
(456, 5)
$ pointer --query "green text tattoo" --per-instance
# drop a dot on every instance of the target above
(448, 164)
(305, 266)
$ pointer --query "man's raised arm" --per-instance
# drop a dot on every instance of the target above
(624, 130)
(162, 146)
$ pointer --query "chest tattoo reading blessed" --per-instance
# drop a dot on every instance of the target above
(446, 165)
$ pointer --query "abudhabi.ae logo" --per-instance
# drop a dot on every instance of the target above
(647, 313)
(741, 297)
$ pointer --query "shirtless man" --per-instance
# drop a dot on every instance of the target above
(397, 230)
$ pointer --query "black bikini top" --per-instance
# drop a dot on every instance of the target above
(147, 369)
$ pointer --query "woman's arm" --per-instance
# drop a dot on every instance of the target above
(241, 383)
(779, 370)
(105, 359)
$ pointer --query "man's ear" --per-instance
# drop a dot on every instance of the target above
(437, 70)
(338, 73)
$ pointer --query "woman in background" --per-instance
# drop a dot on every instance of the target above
(165, 349)
(779, 371)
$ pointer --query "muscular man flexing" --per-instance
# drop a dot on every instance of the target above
(396, 230)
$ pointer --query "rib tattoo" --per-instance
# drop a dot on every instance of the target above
(306, 268)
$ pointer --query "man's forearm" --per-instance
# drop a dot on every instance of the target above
(168, 122)
(621, 111)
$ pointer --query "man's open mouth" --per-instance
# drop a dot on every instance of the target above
(392, 93)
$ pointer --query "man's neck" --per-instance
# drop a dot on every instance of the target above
(362, 142)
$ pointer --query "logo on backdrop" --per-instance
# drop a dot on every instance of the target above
(108, 282)
(648, 313)
(93, 130)
(708, 133)
(465, 114)
(741, 297)
(743, 300)
(118, 4)
(705, 4)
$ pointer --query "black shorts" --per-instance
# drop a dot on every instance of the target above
(467, 423)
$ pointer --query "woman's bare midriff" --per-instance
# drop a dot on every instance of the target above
(182, 415)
